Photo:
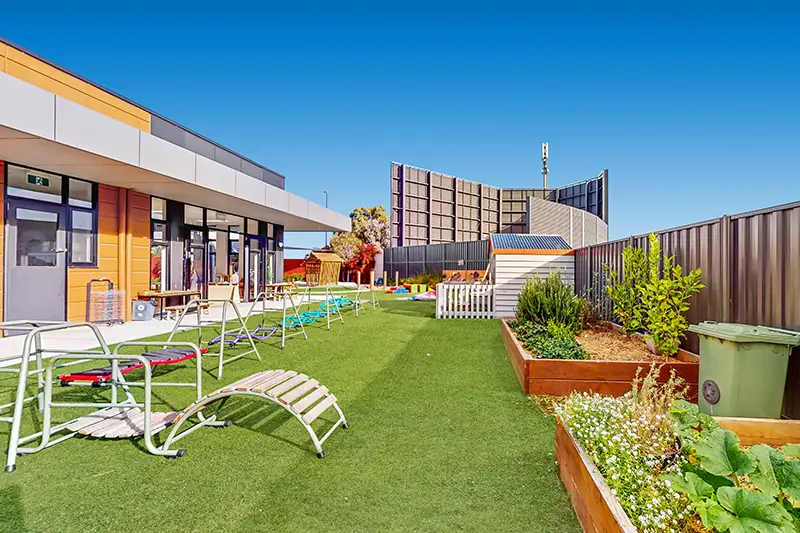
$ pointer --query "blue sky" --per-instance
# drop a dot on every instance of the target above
(694, 110)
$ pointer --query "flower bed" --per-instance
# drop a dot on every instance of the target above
(560, 377)
(649, 462)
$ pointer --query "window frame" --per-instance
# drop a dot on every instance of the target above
(93, 211)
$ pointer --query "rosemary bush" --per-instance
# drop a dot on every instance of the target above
(550, 300)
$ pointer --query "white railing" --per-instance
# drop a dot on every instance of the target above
(464, 300)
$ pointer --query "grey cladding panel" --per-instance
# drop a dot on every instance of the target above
(200, 146)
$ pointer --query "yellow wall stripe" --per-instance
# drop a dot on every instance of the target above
(31, 70)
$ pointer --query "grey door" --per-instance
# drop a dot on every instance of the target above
(36, 268)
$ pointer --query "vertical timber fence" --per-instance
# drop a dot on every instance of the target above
(750, 266)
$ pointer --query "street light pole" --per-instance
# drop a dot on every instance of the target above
(326, 207)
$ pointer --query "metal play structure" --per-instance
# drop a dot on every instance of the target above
(302, 397)
(290, 318)
(333, 303)
(117, 418)
(226, 335)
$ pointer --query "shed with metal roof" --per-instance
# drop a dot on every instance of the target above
(517, 257)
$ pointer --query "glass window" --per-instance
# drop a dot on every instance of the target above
(81, 193)
(158, 263)
(270, 231)
(34, 184)
(37, 233)
(223, 221)
(82, 244)
(158, 208)
(252, 227)
(192, 215)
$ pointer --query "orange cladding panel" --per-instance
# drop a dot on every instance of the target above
(107, 257)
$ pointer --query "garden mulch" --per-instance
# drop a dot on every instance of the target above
(605, 344)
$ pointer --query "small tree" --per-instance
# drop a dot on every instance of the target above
(371, 225)
(665, 298)
(345, 245)
(626, 292)
(363, 260)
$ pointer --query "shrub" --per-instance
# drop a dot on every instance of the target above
(665, 298)
(545, 300)
(554, 341)
(431, 279)
(289, 278)
(625, 293)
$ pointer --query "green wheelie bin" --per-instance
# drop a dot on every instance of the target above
(743, 368)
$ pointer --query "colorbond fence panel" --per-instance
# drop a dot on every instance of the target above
(751, 269)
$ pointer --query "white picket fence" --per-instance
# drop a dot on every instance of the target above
(465, 300)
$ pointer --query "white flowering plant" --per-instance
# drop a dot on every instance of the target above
(632, 441)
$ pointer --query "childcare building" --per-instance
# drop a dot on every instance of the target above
(95, 186)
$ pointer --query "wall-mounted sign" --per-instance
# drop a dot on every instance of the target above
(33, 179)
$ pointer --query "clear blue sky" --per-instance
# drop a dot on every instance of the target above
(694, 110)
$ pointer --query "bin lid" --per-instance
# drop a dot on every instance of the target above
(746, 333)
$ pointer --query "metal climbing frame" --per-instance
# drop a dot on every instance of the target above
(263, 310)
(304, 398)
(32, 348)
(196, 306)
(335, 297)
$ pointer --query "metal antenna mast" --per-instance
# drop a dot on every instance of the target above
(544, 163)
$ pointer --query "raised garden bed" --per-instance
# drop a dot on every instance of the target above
(558, 377)
(599, 511)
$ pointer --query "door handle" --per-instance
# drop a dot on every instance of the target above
(61, 250)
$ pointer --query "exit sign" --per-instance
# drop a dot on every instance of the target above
(38, 180)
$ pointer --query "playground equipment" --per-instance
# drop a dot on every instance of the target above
(302, 397)
(290, 320)
(334, 301)
(115, 413)
(224, 335)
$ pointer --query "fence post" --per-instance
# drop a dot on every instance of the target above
(396, 278)
(385, 280)
(726, 251)
(358, 279)
(371, 280)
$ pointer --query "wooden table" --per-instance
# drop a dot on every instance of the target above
(163, 295)
(276, 289)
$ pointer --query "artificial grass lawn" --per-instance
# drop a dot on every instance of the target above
(439, 442)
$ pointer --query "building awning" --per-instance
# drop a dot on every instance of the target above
(45, 131)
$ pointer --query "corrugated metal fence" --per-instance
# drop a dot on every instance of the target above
(751, 269)
(411, 261)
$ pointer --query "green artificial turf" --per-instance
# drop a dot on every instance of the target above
(440, 439)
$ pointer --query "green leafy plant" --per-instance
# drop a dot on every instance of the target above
(290, 278)
(554, 341)
(625, 291)
(732, 489)
(545, 300)
(665, 297)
